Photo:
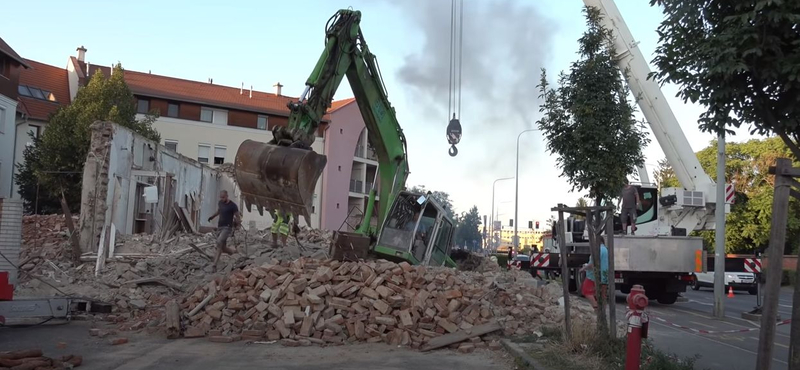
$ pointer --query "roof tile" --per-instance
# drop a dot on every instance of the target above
(45, 77)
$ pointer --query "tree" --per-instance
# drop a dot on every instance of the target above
(441, 197)
(468, 229)
(54, 163)
(665, 176)
(588, 122)
(582, 202)
(739, 59)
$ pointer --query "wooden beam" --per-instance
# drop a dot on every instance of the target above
(461, 335)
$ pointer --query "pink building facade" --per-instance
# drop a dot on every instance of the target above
(351, 169)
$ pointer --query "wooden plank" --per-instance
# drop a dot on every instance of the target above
(112, 241)
(188, 220)
(196, 248)
(461, 335)
(172, 319)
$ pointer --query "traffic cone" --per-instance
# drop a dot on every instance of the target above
(730, 292)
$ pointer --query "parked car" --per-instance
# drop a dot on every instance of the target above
(737, 280)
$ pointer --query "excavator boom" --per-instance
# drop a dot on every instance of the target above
(282, 174)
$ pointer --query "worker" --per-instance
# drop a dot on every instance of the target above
(280, 227)
(630, 202)
(589, 284)
(228, 214)
(510, 256)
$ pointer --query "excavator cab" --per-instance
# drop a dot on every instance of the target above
(416, 230)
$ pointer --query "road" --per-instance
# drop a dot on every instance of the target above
(735, 351)
(155, 353)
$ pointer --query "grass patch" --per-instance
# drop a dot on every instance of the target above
(586, 350)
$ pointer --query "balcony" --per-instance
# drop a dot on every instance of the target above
(356, 186)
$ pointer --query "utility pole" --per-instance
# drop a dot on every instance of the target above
(516, 192)
(719, 237)
(491, 237)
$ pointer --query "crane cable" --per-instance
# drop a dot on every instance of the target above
(454, 93)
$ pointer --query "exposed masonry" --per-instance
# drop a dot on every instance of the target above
(10, 235)
(95, 186)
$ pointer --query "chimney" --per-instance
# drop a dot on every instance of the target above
(81, 53)
(277, 87)
(210, 80)
(251, 91)
(241, 89)
(87, 69)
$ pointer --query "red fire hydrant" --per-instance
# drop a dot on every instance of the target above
(637, 326)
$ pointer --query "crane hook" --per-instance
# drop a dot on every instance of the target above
(453, 135)
(453, 151)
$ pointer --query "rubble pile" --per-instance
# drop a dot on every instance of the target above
(310, 301)
(42, 237)
(34, 359)
(468, 261)
(144, 273)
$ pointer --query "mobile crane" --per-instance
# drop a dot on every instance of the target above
(281, 175)
(661, 256)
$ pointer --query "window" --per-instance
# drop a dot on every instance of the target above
(206, 114)
(36, 93)
(142, 106)
(23, 90)
(262, 122)
(171, 145)
(203, 152)
(172, 110)
(219, 154)
(33, 132)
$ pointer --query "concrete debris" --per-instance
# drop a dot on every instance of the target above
(330, 302)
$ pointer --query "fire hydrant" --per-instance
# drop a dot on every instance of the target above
(637, 326)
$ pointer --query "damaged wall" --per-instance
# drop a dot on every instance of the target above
(120, 164)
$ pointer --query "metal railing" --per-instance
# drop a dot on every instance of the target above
(356, 186)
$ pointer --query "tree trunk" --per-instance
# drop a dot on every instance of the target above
(594, 245)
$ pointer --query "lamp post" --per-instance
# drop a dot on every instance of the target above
(491, 237)
(516, 191)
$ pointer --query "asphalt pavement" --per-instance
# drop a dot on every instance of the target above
(730, 351)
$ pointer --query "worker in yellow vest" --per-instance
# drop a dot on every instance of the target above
(280, 225)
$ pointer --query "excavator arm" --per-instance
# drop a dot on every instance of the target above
(282, 174)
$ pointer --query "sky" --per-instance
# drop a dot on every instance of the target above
(260, 43)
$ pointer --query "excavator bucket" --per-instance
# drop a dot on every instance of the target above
(278, 177)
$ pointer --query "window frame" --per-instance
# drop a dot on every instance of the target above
(177, 110)
(208, 153)
(168, 141)
(266, 122)
(139, 106)
(225, 149)
(211, 113)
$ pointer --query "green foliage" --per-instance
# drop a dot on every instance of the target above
(582, 202)
(746, 166)
(588, 121)
(789, 277)
(665, 176)
(468, 228)
(738, 58)
(441, 197)
(54, 163)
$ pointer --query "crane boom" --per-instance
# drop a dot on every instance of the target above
(653, 104)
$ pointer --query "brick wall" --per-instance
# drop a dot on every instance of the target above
(10, 235)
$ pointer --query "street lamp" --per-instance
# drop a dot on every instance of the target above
(516, 191)
(491, 238)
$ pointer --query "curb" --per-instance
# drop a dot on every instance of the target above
(755, 316)
(520, 355)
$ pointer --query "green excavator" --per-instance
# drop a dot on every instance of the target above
(282, 174)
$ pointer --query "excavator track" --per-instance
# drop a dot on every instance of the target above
(278, 177)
